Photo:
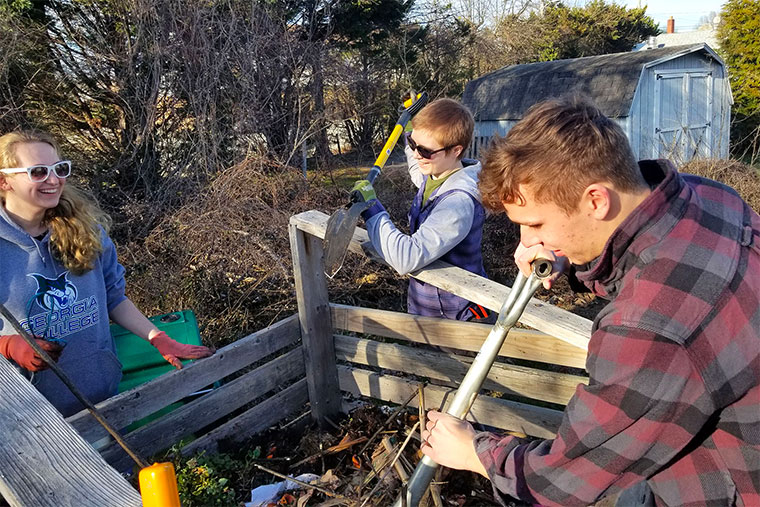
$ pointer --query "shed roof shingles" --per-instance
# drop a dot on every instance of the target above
(507, 93)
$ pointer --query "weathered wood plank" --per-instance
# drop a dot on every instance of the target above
(521, 344)
(554, 321)
(267, 413)
(316, 324)
(528, 419)
(171, 428)
(43, 461)
(518, 380)
(133, 405)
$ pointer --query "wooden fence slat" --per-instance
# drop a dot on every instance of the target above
(528, 419)
(43, 461)
(171, 428)
(316, 325)
(126, 408)
(267, 413)
(554, 321)
(518, 380)
(521, 344)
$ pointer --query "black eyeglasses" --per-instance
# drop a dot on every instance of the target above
(424, 152)
(39, 173)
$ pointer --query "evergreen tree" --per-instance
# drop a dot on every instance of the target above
(597, 28)
(739, 35)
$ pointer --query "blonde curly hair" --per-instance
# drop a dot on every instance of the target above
(75, 222)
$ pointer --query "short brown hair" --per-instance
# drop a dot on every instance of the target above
(559, 148)
(449, 121)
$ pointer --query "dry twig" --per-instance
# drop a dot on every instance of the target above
(387, 422)
(393, 463)
(304, 484)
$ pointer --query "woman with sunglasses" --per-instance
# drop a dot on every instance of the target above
(446, 218)
(60, 277)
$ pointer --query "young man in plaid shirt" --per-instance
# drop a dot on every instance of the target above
(671, 415)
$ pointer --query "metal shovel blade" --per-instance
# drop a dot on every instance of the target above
(340, 230)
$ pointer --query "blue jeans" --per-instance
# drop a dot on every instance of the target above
(638, 495)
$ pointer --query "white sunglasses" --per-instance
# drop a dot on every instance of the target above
(39, 173)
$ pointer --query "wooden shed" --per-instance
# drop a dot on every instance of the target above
(672, 102)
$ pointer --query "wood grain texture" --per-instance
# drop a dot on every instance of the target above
(209, 408)
(521, 343)
(509, 415)
(504, 378)
(316, 325)
(126, 408)
(267, 413)
(43, 461)
(549, 319)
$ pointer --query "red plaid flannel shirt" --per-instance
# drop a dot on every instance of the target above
(674, 362)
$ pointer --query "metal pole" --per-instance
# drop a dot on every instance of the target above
(513, 307)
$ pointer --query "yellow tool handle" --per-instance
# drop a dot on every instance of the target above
(158, 486)
(410, 108)
(389, 144)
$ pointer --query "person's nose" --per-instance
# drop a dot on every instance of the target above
(53, 179)
(528, 237)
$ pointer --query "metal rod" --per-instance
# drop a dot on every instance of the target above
(511, 310)
(73, 388)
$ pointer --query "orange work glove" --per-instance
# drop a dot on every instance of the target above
(14, 347)
(173, 350)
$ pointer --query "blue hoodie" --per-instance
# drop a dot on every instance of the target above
(48, 300)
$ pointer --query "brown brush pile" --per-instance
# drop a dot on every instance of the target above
(226, 253)
(742, 177)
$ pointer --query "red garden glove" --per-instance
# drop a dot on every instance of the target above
(173, 350)
(14, 347)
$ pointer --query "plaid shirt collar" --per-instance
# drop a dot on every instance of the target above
(603, 273)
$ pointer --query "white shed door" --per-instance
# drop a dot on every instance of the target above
(683, 108)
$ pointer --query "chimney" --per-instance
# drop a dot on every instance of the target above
(671, 25)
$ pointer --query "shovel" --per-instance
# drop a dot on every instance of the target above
(341, 225)
(511, 310)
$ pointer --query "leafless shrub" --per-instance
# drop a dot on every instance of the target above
(226, 254)
(741, 177)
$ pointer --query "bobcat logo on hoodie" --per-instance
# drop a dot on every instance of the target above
(54, 293)
(63, 314)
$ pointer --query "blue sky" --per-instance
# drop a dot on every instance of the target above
(685, 12)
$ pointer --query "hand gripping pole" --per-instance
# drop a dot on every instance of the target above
(513, 307)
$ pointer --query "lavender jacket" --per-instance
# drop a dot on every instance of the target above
(450, 221)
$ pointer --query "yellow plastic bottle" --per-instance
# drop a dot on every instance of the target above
(158, 486)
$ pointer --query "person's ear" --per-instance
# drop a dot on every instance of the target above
(4, 184)
(458, 149)
(597, 201)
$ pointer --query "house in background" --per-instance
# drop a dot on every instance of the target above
(707, 34)
(672, 102)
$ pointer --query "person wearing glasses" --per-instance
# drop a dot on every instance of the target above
(60, 278)
(446, 218)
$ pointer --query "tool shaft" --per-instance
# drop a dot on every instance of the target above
(510, 312)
